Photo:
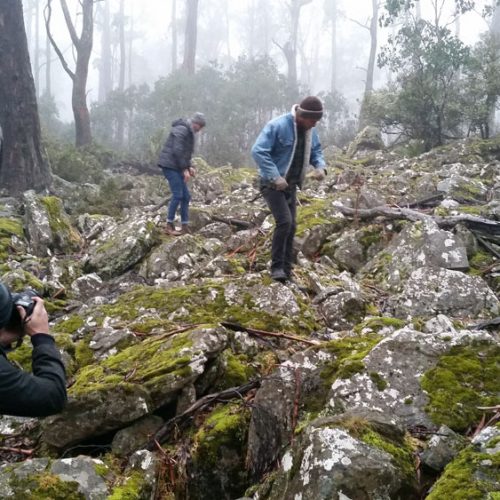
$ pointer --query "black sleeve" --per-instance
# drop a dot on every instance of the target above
(39, 394)
(181, 149)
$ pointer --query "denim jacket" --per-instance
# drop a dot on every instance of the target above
(275, 146)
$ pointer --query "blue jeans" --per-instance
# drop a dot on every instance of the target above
(180, 195)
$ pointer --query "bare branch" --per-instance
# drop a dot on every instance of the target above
(47, 14)
(69, 23)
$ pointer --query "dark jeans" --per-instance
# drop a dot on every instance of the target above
(180, 195)
(283, 206)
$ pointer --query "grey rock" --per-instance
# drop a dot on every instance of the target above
(442, 448)
(431, 291)
(136, 436)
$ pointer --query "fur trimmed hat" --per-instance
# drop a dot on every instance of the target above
(310, 107)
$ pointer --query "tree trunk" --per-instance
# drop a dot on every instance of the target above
(290, 48)
(174, 34)
(48, 66)
(333, 84)
(492, 99)
(105, 65)
(22, 165)
(190, 37)
(120, 127)
(37, 49)
(371, 64)
(83, 47)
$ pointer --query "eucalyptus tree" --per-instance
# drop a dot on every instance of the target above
(105, 60)
(289, 49)
(190, 37)
(22, 165)
(83, 47)
(372, 27)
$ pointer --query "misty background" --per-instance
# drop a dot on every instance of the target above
(139, 47)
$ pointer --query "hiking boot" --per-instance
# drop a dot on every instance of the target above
(279, 275)
(170, 229)
(185, 229)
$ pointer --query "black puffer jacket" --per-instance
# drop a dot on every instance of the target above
(178, 149)
(36, 394)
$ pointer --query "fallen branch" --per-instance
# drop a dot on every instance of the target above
(486, 324)
(486, 245)
(28, 453)
(240, 328)
(241, 224)
(226, 395)
(425, 202)
(415, 216)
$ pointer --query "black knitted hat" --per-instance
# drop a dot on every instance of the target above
(310, 107)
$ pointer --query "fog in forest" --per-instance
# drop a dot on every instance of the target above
(332, 48)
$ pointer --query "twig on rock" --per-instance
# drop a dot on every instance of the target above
(226, 395)
(252, 331)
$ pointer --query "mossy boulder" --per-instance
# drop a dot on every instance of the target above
(11, 236)
(463, 380)
(120, 249)
(417, 245)
(475, 473)
(132, 383)
(48, 227)
(391, 376)
(430, 291)
(328, 459)
(218, 455)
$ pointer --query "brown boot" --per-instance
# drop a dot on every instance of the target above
(170, 229)
(185, 229)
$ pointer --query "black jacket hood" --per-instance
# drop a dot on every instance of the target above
(182, 122)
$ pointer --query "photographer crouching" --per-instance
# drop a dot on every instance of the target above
(24, 394)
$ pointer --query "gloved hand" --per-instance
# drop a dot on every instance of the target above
(318, 174)
(280, 184)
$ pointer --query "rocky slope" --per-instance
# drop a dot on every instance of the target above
(381, 378)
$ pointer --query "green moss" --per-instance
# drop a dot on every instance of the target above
(69, 325)
(44, 487)
(471, 476)
(24, 279)
(463, 380)
(225, 427)
(60, 224)
(401, 451)
(378, 381)
(131, 489)
(84, 355)
(370, 235)
(11, 227)
(378, 323)
(237, 370)
(479, 261)
(316, 212)
(349, 354)
(206, 305)
(141, 364)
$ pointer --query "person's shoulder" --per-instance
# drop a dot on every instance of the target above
(281, 121)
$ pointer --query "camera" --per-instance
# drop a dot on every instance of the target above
(24, 299)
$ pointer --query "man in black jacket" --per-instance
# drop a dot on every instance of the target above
(24, 394)
(175, 161)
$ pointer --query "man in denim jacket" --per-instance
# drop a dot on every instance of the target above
(283, 151)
